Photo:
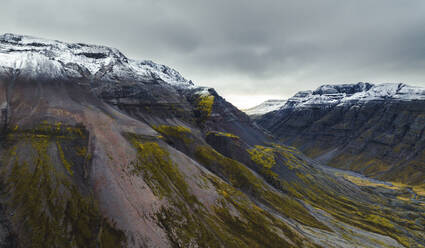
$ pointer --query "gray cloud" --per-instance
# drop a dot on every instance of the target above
(245, 47)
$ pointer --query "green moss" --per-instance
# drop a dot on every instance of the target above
(242, 178)
(263, 156)
(255, 226)
(65, 163)
(251, 227)
(186, 228)
(188, 225)
(205, 104)
(159, 172)
(291, 161)
(222, 134)
(378, 219)
(49, 209)
(175, 132)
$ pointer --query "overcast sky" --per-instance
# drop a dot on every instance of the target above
(248, 50)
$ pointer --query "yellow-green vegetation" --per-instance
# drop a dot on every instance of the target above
(60, 135)
(263, 156)
(45, 129)
(375, 218)
(250, 227)
(419, 189)
(380, 168)
(176, 132)
(399, 187)
(369, 167)
(254, 226)
(291, 161)
(232, 171)
(187, 224)
(159, 172)
(223, 134)
(365, 182)
(348, 210)
(50, 210)
(242, 178)
(67, 164)
(266, 156)
(205, 104)
(408, 173)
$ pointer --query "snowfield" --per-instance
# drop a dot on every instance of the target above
(333, 95)
(35, 58)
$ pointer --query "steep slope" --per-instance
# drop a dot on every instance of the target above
(98, 150)
(377, 130)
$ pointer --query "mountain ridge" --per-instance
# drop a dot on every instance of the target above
(36, 57)
(334, 94)
(111, 158)
(373, 129)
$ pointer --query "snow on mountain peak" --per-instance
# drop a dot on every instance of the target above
(332, 95)
(265, 107)
(32, 58)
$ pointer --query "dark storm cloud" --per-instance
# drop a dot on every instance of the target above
(245, 47)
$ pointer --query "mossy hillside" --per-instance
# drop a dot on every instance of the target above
(240, 177)
(175, 133)
(228, 144)
(154, 164)
(182, 219)
(205, 104)
(252, 227)
(189, 224)
(257, 227)
(71, 144)
(50, 209)
(411, 173)
(278, 163)
(321, 197)
(317, 192)
(263, 156)
(203, 107)
(379, 217)
(275, 154)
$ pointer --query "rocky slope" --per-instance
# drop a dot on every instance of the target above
(377, 130)
(98, 150)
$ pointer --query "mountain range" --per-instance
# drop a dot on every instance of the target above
(377, 130)
(99, 150)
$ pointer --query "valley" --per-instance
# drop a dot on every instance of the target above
(100, 150)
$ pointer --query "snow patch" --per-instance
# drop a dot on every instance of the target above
(347, 94)
(265, 107)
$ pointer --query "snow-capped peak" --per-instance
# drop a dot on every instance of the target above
(32, 58)
(265, 107)
(332, 95)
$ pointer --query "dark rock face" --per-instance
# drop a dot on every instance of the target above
(383, 139)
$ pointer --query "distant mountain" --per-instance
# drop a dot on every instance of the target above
(377, 130)
(265, 107)
(99, 150)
